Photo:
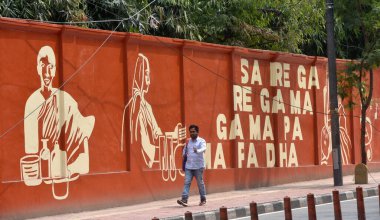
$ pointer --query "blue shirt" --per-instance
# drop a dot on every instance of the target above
(195, 160)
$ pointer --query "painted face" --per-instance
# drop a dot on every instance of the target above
(46, 70)
(147, 79)
(193, 133)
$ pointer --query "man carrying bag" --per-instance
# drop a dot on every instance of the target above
(193, 165)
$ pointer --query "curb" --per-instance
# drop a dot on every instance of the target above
(276, 206)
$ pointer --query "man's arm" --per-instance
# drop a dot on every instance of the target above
(202, 149)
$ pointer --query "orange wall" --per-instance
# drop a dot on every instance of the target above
(252, 139)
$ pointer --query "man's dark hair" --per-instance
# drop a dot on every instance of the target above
(195, 127)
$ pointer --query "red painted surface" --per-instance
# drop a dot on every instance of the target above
(190, 83)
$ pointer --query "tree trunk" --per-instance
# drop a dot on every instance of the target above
(362, 134)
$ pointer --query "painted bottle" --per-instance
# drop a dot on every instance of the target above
(59, 173)
(45, 161)
(58, 162)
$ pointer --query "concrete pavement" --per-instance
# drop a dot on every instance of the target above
(268, 199)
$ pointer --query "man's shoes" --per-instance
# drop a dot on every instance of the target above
(182, 202)
(203, 202)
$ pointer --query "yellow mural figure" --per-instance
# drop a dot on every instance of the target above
(372, 116)
(325, 141)
(142, 112)
(52, 118)
(157, 148)
(345, 141)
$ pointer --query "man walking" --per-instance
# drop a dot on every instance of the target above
(195, 165)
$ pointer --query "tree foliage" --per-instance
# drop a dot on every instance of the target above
(44, 10)
(282, 25)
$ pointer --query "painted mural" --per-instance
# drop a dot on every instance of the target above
(255, 103)
(49, 114)
(371, 118)
(263, 114)
(326, 142)
(158, 149)
(345, 140)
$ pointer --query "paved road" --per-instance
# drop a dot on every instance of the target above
(326, 211)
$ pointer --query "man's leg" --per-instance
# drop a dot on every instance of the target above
(201, 185)
(186, 187)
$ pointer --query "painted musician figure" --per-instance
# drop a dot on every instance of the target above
(158, 148)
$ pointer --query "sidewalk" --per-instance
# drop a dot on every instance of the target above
(268, 199)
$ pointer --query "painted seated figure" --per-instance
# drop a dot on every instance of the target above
(54, 123)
